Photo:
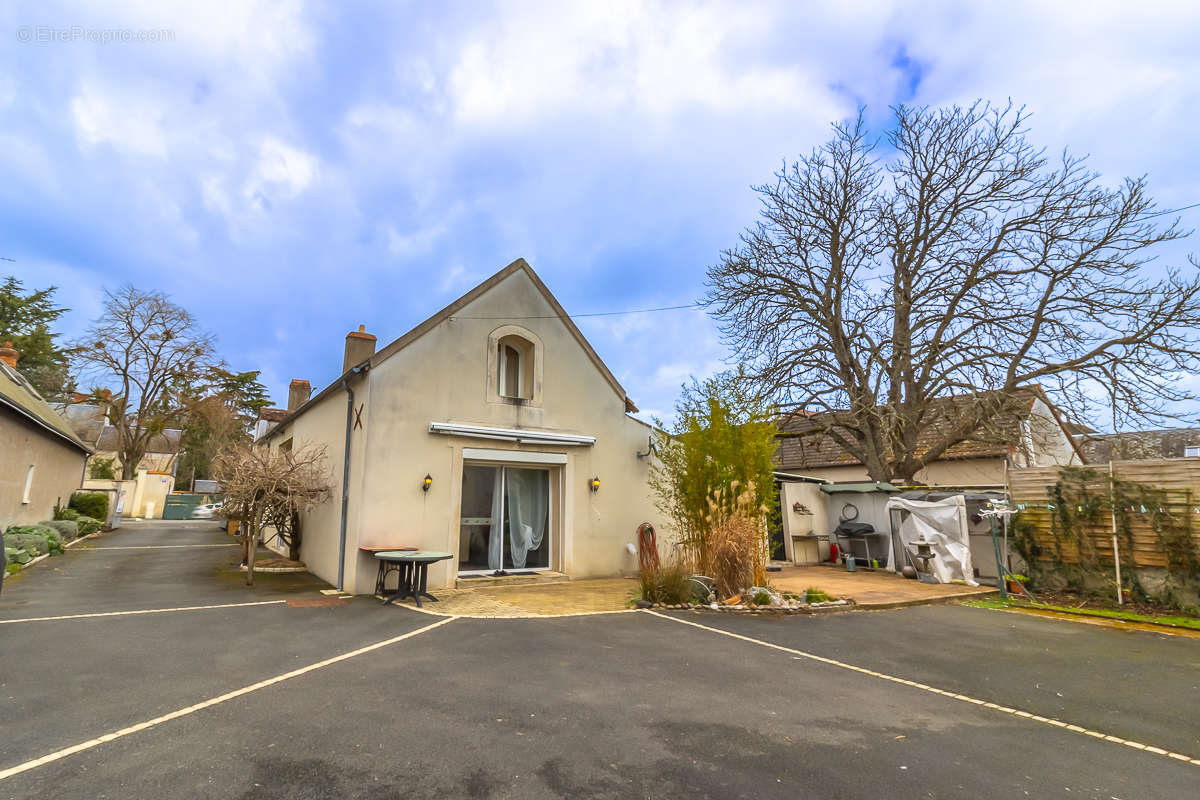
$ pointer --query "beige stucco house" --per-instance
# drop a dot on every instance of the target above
(41, 458)
(533, 461)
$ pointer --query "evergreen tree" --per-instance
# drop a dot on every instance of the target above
(25, 320)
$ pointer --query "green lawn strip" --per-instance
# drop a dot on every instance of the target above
(1191, 623)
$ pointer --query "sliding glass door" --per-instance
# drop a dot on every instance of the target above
(505, 524)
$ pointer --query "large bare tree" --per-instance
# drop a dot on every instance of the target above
(953, 257)
(142, 348)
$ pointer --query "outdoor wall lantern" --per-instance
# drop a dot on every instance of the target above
(595, 484)
(425, 484)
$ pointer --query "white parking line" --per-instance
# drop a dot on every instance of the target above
(1057, 723)
(157, 546)
(141, 611)
(183, 712)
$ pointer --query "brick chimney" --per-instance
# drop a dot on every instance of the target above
(360, 346)
(298, 392)
(9, 356)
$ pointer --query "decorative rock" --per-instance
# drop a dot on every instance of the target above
(643, 604)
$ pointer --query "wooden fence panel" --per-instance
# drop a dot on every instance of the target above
(1032, 488)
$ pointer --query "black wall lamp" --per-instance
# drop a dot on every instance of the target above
(425, 484)
(595, 484)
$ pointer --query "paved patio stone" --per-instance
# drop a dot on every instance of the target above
(871, 589)
(562, 598)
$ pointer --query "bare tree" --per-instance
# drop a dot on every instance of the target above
(960, 260)
(270, 487)
(147, 346)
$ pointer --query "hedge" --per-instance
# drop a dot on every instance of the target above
(87, 525)
(66, 513)
(67, 529)
(91, 504)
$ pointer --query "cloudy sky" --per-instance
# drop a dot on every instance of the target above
(290, 170)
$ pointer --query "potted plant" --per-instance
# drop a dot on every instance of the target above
(1016, 584)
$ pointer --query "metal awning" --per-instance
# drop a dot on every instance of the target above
(860, 488)
(512, 434)
(791, 476)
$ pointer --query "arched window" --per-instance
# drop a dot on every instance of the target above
(514, 366)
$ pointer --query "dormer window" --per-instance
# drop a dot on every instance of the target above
(515, 366)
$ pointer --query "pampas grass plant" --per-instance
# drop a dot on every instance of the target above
(737, 546)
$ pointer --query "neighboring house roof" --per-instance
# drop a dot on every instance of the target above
(520, 265)
(89, 423)
(17, 394)
(803, 445)
(1138, 445)
(86, 419)
(273, 414)
(166, 442)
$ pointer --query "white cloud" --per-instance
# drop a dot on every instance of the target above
(282, 171)
(543, 59)
(126, 122)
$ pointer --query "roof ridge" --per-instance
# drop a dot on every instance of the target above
(447, 312)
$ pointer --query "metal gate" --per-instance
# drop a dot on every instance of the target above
(179, 505)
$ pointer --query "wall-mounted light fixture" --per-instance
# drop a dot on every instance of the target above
(650, 448)
(425, 484)
(595, 484)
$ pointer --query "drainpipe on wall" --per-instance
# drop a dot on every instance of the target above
(346, 474)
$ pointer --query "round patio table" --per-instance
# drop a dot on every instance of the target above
(414, 568)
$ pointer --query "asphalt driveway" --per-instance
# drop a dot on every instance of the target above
(285, 698)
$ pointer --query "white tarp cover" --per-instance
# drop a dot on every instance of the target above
(942, 523)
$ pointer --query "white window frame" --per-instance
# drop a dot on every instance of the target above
(550, 519)
(1191, 451)
(502, 389)
(28, 484)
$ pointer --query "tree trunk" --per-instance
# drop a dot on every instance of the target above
(252, 540)
(294, 539)
(243, 526)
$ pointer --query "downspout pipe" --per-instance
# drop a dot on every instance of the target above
(346, 474)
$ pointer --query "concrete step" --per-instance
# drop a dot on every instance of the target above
(476, 581)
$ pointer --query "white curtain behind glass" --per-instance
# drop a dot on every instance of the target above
(527, 496)
(496, 540)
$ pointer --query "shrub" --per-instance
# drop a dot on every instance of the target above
(65, 512)
(814, 595)
(67, 529)
(88, 526)
(15, 557)
(101, 468)
(667, 584)
(33, 540)
(91, 504)
(723, 437)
